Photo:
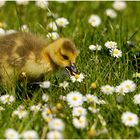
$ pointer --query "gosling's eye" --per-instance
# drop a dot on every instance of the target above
(65, 57)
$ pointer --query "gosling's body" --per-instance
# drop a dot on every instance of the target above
(24, 54)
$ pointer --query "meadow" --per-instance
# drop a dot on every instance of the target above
(104, 103)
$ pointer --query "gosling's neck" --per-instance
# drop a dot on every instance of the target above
(47, 57)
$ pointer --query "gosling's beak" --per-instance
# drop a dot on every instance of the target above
(71, 70)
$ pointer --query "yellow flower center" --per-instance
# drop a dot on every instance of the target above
(74, 98)
(49, 111)
(130, 118)
(77, 76)
(116, 52)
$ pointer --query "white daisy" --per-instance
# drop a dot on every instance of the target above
(22, 2)
(7, 99)
(47, 114)
(119, 89)
(53, 35)
(111, 45)
(77, 77)
(24, 28)
(42, 4)
(119, 5)
(107, 89)
(11, 134)
(111, 13)
(45, 97)
(79, 111)
(56, 124)
(52, 26)
(65, 84)
(10, 31)
(2, 3)
(91, 99)
(2, 31)
(74, 99)
(62, 22)
(54, 15)
(95, 47)
(94, 20)
(35, 108)
(93, 109)
(136, 99)
(29, 134)
(45, 84)
(129, 119)
(61, 97)
(20, 112)
(54, 135)
(116, 53)
(128, 86)
(80, 123)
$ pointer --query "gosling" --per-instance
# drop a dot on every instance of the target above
(26, 55)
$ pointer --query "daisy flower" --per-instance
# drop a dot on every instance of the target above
(77, 77)
(11, 134)
(45, 84)
(54, 135)
(95, 47)
(47, 114)
(29, 134)
(62, 22)
(56, 124)
(136, 99)
(24, 28)
(119, 89)
(111, 13)
(111, 45)
(2, 31)
(107, 89)
(53, 35)
(74, 99)
(61, 97)
(93, 109)
(35, 108)
(116, 53)
(2, 3)
(52, 26)
(93, 85)
(129, 119)
(128, 86)
(94, 20)
(7, 99)
(64, 84)
(91, 99)
(54, 15)
(10, 31)
(45, 97)
(20, 112)
(119, 5)
(43, 4)
(22, 2)
(79, 111)
(80, 123)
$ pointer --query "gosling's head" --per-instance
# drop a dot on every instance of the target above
(63, 53)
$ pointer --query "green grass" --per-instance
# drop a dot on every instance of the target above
(98, 67)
